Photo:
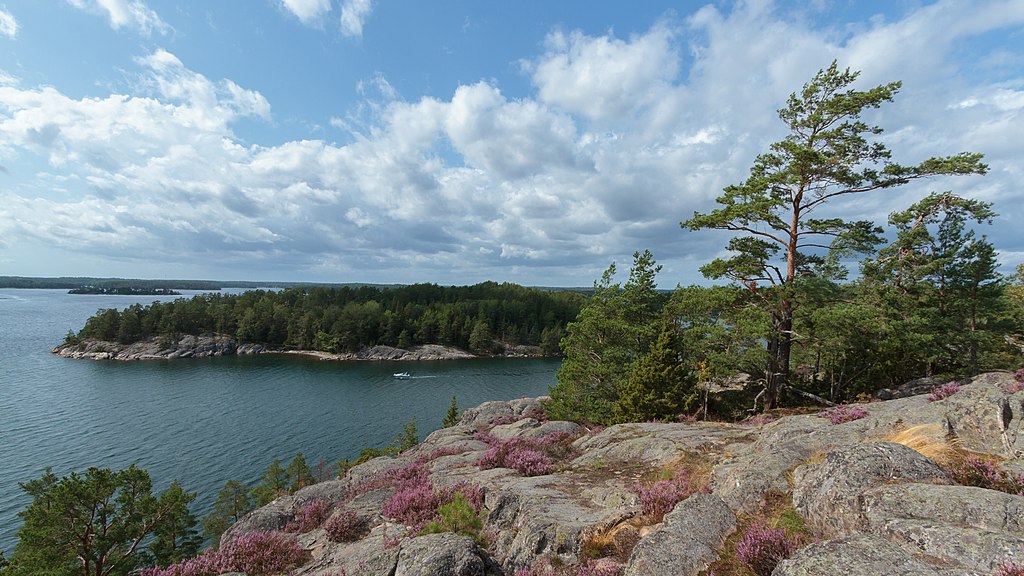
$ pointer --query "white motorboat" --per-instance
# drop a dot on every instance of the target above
(401, 375)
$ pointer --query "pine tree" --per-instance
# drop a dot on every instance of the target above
(176, 537)
(660, 387)
(452, 417)
(232, 503)
(300, 474)
(825, 157)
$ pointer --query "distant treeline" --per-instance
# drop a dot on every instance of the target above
(346, 319)
(108, 284)
(71, 282)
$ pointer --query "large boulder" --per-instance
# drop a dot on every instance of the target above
(856, 555)
(828, 494)
(443, 555)
(959, 525)
(508, 410)
(687, 541)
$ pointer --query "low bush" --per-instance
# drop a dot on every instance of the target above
(310, 516)
(345, 526)
(528, 456)
(761, 548)
(944, 391)
(254, 553)
(459, 517)
(1009, 568)
(973, 470)
(843, 413)
(661, 496)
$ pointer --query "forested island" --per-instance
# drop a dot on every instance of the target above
(481, 318)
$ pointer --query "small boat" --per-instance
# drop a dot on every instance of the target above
(401, 375)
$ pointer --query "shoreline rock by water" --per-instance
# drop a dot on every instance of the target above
(876, 507)
(206, 345)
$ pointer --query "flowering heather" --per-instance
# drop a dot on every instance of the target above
(412, 505)
(1009, 568)
(1017, 385)
(255, 553)
(762, 548)
(310, 516)
(977, 471)
(660, 497)
(843, 413)
(592, 568)
(944, 391)
(344, 526)
(760, 420)
(522, 454)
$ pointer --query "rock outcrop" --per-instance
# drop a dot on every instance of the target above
(205, 345)
(873, 506)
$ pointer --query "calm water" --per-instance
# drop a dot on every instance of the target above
(205, 421)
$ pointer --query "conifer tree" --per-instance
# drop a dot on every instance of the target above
(783, 243)
(660, 386)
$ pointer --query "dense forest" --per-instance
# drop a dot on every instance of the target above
(346, 319)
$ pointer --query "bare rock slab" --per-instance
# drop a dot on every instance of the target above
(688, 540)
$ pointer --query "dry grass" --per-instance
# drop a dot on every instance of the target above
(698, 468)
(613, 541)
(930, 441)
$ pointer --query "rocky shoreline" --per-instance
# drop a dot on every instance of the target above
(870, 504)
(207, 345)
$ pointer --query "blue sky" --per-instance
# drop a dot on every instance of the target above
(457, 141)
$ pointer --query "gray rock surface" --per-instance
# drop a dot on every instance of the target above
(441, 555)
(886, 508)
(858, 555)
(828, 494)
(687, 541)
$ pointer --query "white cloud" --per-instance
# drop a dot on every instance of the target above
(8, 25)
(604, 77)
(353, 16)
(621, 140)
(133, 14)
(307, 11)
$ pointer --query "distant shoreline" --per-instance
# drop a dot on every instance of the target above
(208, 345)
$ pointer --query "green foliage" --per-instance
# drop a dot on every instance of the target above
(408, 438)
(349, 318)
(233, 502)
(616, 326)
(660, 386)
(451, 418)
(176, 538)
(458, 517)
(94, 523)
(299, 473)
(273, 484)
(782, 250)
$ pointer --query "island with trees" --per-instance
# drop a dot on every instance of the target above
(486, 319)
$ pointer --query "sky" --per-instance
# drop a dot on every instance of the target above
(459, 141)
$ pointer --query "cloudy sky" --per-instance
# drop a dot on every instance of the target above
(458, 141)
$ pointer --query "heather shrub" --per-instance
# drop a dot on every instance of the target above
(309, 516)
(843, 413)
(1008, 567)
(411, 504)
(255, 553)
(528, 456)
(974, 470)
(944, 391)
(344, 526)
(1018, 384)
(761, 548)
(592, 568)
(660, 497)
(521, 454)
